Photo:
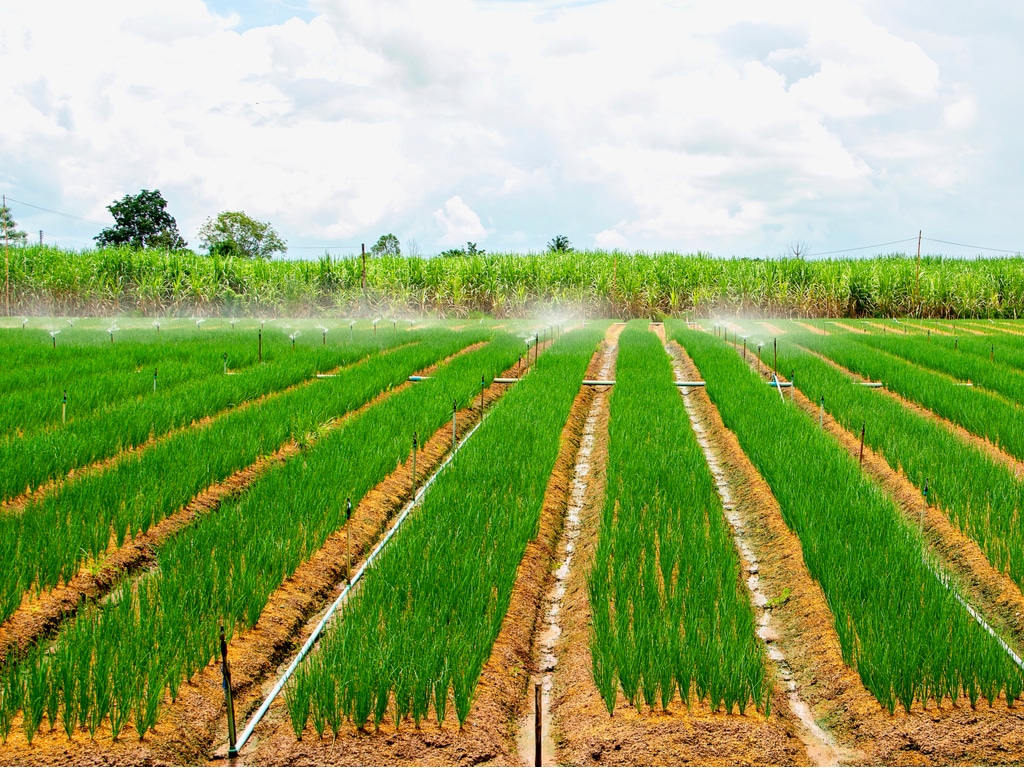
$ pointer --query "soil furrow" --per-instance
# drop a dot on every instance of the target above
(812, 328)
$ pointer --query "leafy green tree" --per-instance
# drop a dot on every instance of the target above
(9, 231)
(469, 250)
(142, 221)
(559, 244)
(387, 245)
(233, 233)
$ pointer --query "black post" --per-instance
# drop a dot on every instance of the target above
(414, 445)
(154, 379)
(536, 724)
(482, 385)
(260, 348)
(225, 670)
(225, 363)
(862, 427)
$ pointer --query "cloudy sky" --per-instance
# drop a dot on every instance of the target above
(738, 127)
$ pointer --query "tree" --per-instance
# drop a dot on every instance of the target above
(469, 250)
(233, 233)
(142, 221)
(387, 245)
(9, 228)
(559, 244)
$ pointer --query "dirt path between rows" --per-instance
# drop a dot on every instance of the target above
(927, 328)
(489, 736)
(772, 329)
(932, 735)
(39, 615)
(812, 328)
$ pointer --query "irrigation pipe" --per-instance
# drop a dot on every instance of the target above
(279, 686)
(944, 580)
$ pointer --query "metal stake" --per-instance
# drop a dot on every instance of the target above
(348, 541)
(225, 670)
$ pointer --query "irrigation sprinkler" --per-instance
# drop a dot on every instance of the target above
(792, 386)
(394, 325)
(455, 413)
(348, 540)
(111, 332)
(154, 379)
(259, 352)
(992, 354)
(482, 385)
(294, 336)
(199, 322)
(323, 330)
(64, 409)
(956, 342)
(759, 355)
(821, 413)
(157, 324)
(350, 325)
(536, 348)
(71, 322)
(862, 428)
(225, 363)
(53, 335)
(225, 671)
(375, 327)
(232, 321)
(24, 322)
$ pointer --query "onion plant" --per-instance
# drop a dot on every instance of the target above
(668, 604)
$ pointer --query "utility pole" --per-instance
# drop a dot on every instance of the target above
(7, 263)
(917, 289)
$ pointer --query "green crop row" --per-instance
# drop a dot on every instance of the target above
(982, 496)
(668, 605)
(31, 461)
(964, 359)
(976, 410)
(48, 542)
(424, 620)
(117, 661)
(897, 624)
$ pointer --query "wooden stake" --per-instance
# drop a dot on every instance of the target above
(414, 445)
(821, 413)
(536, 725)
(225, 670)
(348, 540)
(455, 411)
(862, 427)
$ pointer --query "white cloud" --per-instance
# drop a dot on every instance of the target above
(713, 126)
(459, 223)
(610, 240)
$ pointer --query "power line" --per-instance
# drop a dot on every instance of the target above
(977, 247)
(59, 213)
(864, 247)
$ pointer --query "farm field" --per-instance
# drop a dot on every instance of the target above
(724, 541)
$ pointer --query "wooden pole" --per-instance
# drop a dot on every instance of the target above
(537, 734)
(225, 671)
(917, 289)
(348, 540)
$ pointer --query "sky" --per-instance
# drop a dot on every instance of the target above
(736, 128)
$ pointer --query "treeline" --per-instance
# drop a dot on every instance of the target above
(46, 280)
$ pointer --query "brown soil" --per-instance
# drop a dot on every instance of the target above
(942, 735)
(852, 328)
(39, 615)
(772, 329)
(812, 328)
(963, 328)
(925, 328)
(489, 734)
